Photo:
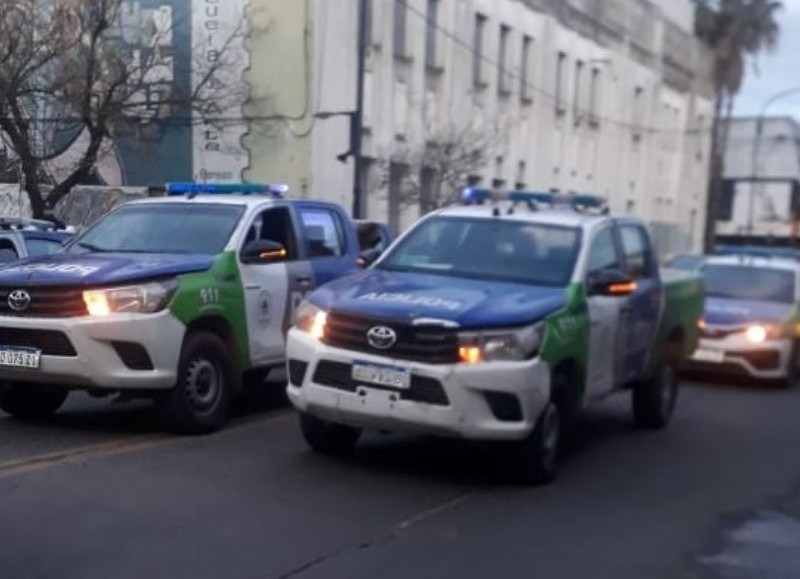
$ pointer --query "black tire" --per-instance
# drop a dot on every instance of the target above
(328, 437)
(654, 399)
(200, 401)
(534, 461)
(793, 369)
(566, 394)
(31, 401)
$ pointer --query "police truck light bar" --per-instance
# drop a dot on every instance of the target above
(277, 190)
(477, 196)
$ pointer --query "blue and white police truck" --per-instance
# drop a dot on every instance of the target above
(174, 298)
(497, 321)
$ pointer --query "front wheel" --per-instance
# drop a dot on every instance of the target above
(535, 459)
(31, 401)
(200, 400)
(792, 369)
(654, 399)
(328, 437)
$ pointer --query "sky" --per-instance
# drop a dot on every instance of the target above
(777, 72)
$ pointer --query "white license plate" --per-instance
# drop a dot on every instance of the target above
(713, 356)
(390, 376)
(19, 357)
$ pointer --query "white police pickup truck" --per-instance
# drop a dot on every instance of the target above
(496, 321)
(173, 298)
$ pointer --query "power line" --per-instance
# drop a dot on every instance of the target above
(543, 92)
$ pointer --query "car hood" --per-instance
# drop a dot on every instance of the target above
(731, 312)
(94, 269)
(467, 302)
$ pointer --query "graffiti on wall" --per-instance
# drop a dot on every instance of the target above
(184, 145)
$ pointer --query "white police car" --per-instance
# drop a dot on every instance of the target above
(751, 321)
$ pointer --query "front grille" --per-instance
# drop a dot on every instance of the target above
(46, 302)
(423, 389)
(427, 345)
(50, 342)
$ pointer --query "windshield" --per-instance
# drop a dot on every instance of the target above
(162, 228)
(750, 283)
(493, 249)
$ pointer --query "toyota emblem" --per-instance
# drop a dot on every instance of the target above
(381, 337)
(19, 300)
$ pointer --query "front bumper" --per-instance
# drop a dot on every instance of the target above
(91, 352)
(491, 401)
(734, 354)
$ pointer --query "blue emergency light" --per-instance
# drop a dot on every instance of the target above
(478, 196)
(277, 190)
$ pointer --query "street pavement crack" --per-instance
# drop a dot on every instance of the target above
(383, 540)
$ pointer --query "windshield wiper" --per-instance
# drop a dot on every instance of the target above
(91, 247)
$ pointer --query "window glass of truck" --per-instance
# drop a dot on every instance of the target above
(162, 228)
(505, 250)
(744, 282)
(323, 233)
(636, 251)
(603, 254)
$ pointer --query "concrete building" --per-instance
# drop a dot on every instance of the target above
(761, 189)
(599, 96)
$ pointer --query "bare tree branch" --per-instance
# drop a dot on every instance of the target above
(82, 68)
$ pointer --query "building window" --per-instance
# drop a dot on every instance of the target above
(700, 137)
(577, 108)
(520, 183)
(478, 75)
(527, 69)
(504, 70)
(594, 98)
(561, 82)
(400, 28)
(432, 60)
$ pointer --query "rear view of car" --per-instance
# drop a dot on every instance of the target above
(750, 323)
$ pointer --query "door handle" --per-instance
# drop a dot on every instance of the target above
(303, 280)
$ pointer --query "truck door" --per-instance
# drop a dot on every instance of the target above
(642, 313)
(604, 317)
(274, 290)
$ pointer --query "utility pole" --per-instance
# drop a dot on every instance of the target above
(357, 120)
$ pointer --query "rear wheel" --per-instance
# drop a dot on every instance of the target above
(654, 399)
(200, 400)
(31, 401)
(328, 437)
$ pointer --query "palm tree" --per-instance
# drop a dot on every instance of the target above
(736, 31)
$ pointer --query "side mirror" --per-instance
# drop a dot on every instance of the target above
(611, 282)
(263, 251)
(368, 257)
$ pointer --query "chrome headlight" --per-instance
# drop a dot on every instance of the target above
(140, 299)
(757, 333)
(494, 345)
(311, 319)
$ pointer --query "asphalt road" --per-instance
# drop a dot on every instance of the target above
(100, 493)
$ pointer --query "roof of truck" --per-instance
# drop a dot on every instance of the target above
(754, 261)
(564, 218)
